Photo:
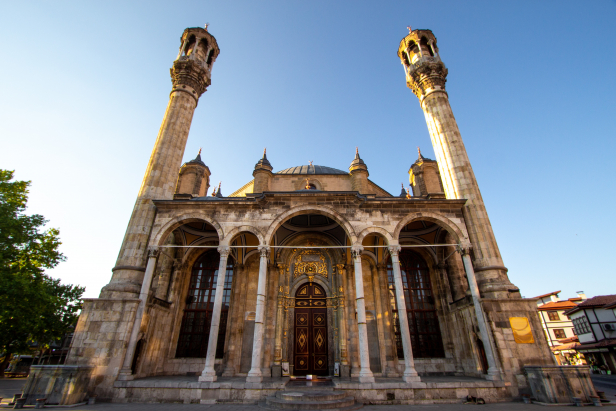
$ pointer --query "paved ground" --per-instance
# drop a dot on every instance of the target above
(606, 383)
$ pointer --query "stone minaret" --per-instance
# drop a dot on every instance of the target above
(190, 75)
(426, 76)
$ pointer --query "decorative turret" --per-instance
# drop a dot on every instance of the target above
(403, 192)
(359, 174)
(426, 76)
(425, 178)
(194, 178)
(262, 174)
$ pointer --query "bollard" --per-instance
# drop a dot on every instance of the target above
(40, 403)
(19, 403)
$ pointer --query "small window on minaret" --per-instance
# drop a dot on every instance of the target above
(210, 57)
(425, 46)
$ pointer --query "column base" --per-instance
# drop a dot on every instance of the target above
(254, 378)
(125, 375)
(254, 375)
(366, 378)
(411, 378)
(208, 378)
(493, 375)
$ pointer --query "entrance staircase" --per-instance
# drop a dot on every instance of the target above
(317, 395)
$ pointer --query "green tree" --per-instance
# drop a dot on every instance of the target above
(33, 306)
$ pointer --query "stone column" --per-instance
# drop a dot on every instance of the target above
(427, 77)
(190, 79)
(255, 374)
(493, 372)
(277, 369)
(126, 372)
(209, 374)
(365, 373)
(344, 358)
(409, 364)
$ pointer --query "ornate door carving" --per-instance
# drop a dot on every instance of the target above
(310, 355)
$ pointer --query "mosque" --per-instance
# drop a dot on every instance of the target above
(310, 273)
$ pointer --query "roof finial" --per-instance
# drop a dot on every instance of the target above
(199, 153)
(402, 186)
(408, 195)
(410, 29)
(310, 161)
(206, 24)
(356, 150)
(214, 192)
(219, 183)
(264, 151)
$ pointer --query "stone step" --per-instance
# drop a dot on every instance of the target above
(280, 404)
(355, 406)
(310, 395)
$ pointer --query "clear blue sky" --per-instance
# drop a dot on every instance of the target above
(85, 86)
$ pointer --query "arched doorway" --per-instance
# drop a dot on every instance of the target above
(310, 356)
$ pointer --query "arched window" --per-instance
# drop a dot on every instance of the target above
(197, 318)
(426, 46)
(421, 311)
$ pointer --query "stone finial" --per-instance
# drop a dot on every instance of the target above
(408, 195)
(218, 193)
(214, 192)
(408, 27)
(205, 27)
(402, 193)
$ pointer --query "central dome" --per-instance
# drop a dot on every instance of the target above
(311, 169)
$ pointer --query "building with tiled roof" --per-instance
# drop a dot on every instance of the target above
(594, 321)
(556, 325)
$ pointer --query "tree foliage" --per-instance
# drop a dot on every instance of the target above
(33, 306)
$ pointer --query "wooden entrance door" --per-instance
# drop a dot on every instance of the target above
(310, 355)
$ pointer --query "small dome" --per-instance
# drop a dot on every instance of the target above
(311, 170)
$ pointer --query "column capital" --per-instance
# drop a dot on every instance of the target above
(264, 251)
(394, 250)
(224, 250)
(153, 252)
(357, 250)
(464, 248)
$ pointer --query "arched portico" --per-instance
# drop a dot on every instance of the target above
(389, 239)
(230, 236)
(458, 231)
(312, 209)
(160, 234)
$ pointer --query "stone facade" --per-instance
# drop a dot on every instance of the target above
(171, 327)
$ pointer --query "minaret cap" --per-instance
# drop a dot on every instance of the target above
(264, 164)
(358, 163)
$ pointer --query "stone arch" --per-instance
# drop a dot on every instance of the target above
(316, 209)
(228, 239)
(161, 233)
(375, 230)
(454, 229)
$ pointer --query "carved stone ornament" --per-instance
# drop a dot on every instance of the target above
(153, 252)
(191, 74)
(356, 251)
(224, 251)
(464, 248)
(425, 75)
(311, 263)
(264, 251)
(394, 250)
